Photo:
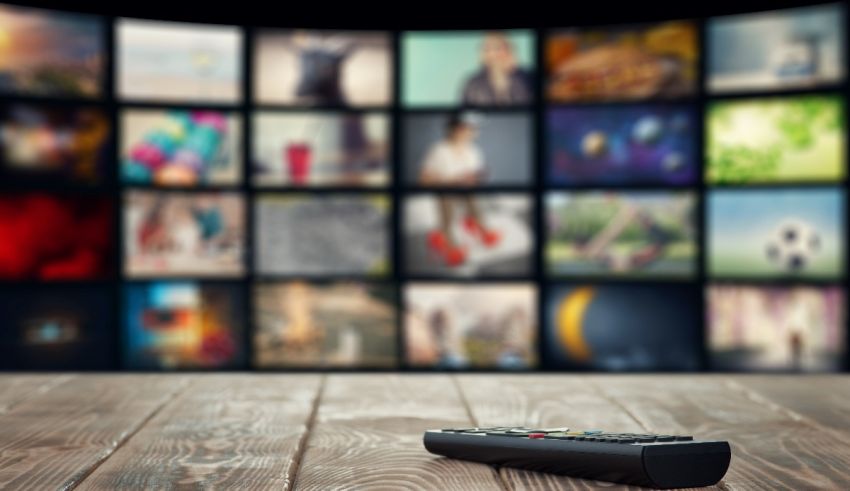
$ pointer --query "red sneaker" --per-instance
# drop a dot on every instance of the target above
(451, 254)
(488, 237)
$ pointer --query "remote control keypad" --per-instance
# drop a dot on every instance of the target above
(569, 434)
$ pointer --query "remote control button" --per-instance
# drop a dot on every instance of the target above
(625, 440)
(592, 432)
(506, 433)
(684, 438)
(556, 436)
(536, 435)
(550, 430)
(665, 438)
(644, 439)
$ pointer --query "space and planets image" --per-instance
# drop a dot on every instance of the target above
(622, 327)
(643, 144)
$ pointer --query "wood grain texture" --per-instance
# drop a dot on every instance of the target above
(368, 435)
(364, 431)
(770, 450)
(15, 389)
(822, 400)
(545, 401)
(224, 432)
(55, 439)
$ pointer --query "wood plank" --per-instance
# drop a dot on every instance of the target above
(15, 389)
(544, 401)
(822, 400)
(770, 449)
(55, 439)
(368, 435)
(225, 431)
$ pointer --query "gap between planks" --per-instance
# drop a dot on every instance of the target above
(304, 441)
(764, 400)
(472, 419)
(177, 395)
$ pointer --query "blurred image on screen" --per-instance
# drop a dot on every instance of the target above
(623, 328)
(780, 49)
(49, 53)
(471, 68)
(776, 140)
(174, 325)
(183, 234)
(775, 234)
(457, 326)
(632, 62)
(312, 325)
(799, 328)
(467, 234)
(323, 68)
(468, 148)
(641, 144)
(57, 144)
(50, 237)
(180, 148)
(178, 62)
(321, 149)
(339, 234)
(621, 234)
(57, 328)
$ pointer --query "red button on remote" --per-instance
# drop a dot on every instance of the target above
(536, 435)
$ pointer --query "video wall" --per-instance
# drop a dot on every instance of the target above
(666, 196)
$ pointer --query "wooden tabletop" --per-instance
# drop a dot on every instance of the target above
(364, 431)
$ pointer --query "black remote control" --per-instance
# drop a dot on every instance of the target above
(658, 461)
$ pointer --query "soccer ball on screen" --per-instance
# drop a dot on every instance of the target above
(793, 246)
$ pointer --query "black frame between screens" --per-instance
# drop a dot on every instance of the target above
(398, 189)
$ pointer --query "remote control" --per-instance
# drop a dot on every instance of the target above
(658, 461)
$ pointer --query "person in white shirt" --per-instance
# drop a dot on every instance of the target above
(455, 160)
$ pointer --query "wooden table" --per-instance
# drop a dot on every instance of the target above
(364, 431)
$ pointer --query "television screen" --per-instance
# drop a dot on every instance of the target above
(51, 144)
(311, 149)
(799, 328)
(50, 53)
(334, 324)
(180, 148)
(48, 237)
(323, 68)
(793, 234)
(170, 233)
(781, 49)
(632, 62)
(636, 144)
(57, 328)
(178, 62)
(621, 234)
(456, 326)
(469, 68)
(187, 324)
(321, 235)
(468, 148)
(623, 328)
(468, 234)
(776, 140)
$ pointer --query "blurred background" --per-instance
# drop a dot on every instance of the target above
(633, 189)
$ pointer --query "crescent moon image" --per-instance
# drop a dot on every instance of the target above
(570, 319)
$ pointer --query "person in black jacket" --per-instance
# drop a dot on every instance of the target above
(499, 82)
